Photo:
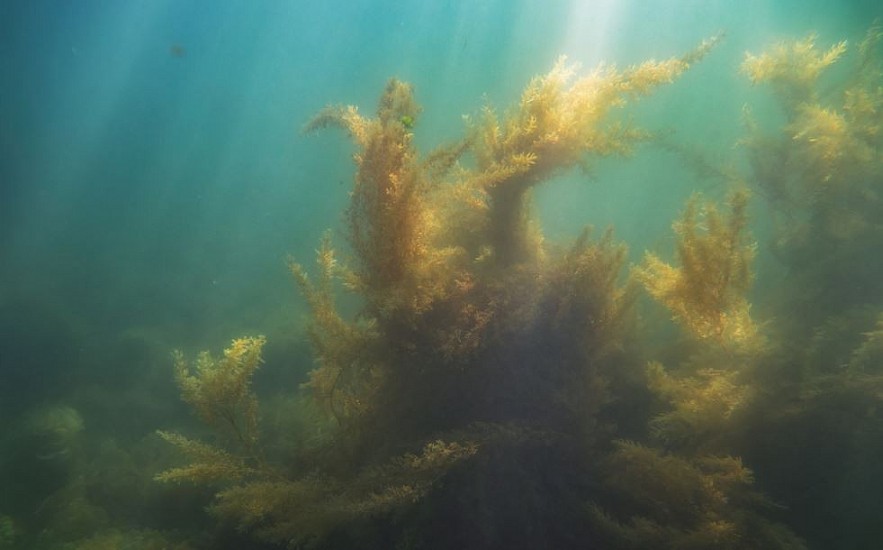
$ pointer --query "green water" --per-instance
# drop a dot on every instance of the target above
(155, 180)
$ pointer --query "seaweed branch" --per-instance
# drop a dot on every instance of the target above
(558, 123)
(706, 293)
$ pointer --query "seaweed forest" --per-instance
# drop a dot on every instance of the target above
(475, 384)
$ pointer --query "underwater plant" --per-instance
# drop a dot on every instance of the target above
(673, 502)
(475, 399)
(219, 391)
(480, 276)
(815, 390)
(820, 173)
(820, 169)
(707, 297)
(706, 294)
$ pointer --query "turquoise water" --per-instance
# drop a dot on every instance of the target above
(154, 179)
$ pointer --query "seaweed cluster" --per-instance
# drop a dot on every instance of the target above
(821, 169)
(495, 390)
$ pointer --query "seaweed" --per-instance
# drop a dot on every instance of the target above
(483, 359)
(820, 166)
(219, 392)
(706, 294)
(557, 123)
(678, 503)
(817, 388)
(258, 496)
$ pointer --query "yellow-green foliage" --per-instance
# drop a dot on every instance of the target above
(703, 402)
(295, 511)
(676, 503)
(393, 228)
(428, 234)
(219, 390)
(585, 281)
(585, 305)
(208, 464)
(484, 359)
(558, 122)
(258, 496)
(793, 68)
(706, 293)
(468, 319)
(344, 375)
(456, 281)
(821, 163)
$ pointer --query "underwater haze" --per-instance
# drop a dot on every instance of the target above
(373, 214)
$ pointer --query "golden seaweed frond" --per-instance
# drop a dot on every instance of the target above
(819, 166)
(702, 402)
(558, 123)
(674, 502)
(208, 464)
(297, 511)
(793, 68)
(220, 389)
(559, 119)
(836, 146)
(341, 381)
(438, 455)
(388, 213)
(459, 341)
(584, 295)
(280, 511)
(439, 162)
(387, 208)
(825, 134)
(394, 226)
(677, 489)
(406, 479)
(344, 117)
(706, 293)
(704, 48)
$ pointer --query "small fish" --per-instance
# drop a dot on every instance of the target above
(177, 50)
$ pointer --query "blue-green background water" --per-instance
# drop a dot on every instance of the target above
(144, 190)
(153, 176)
